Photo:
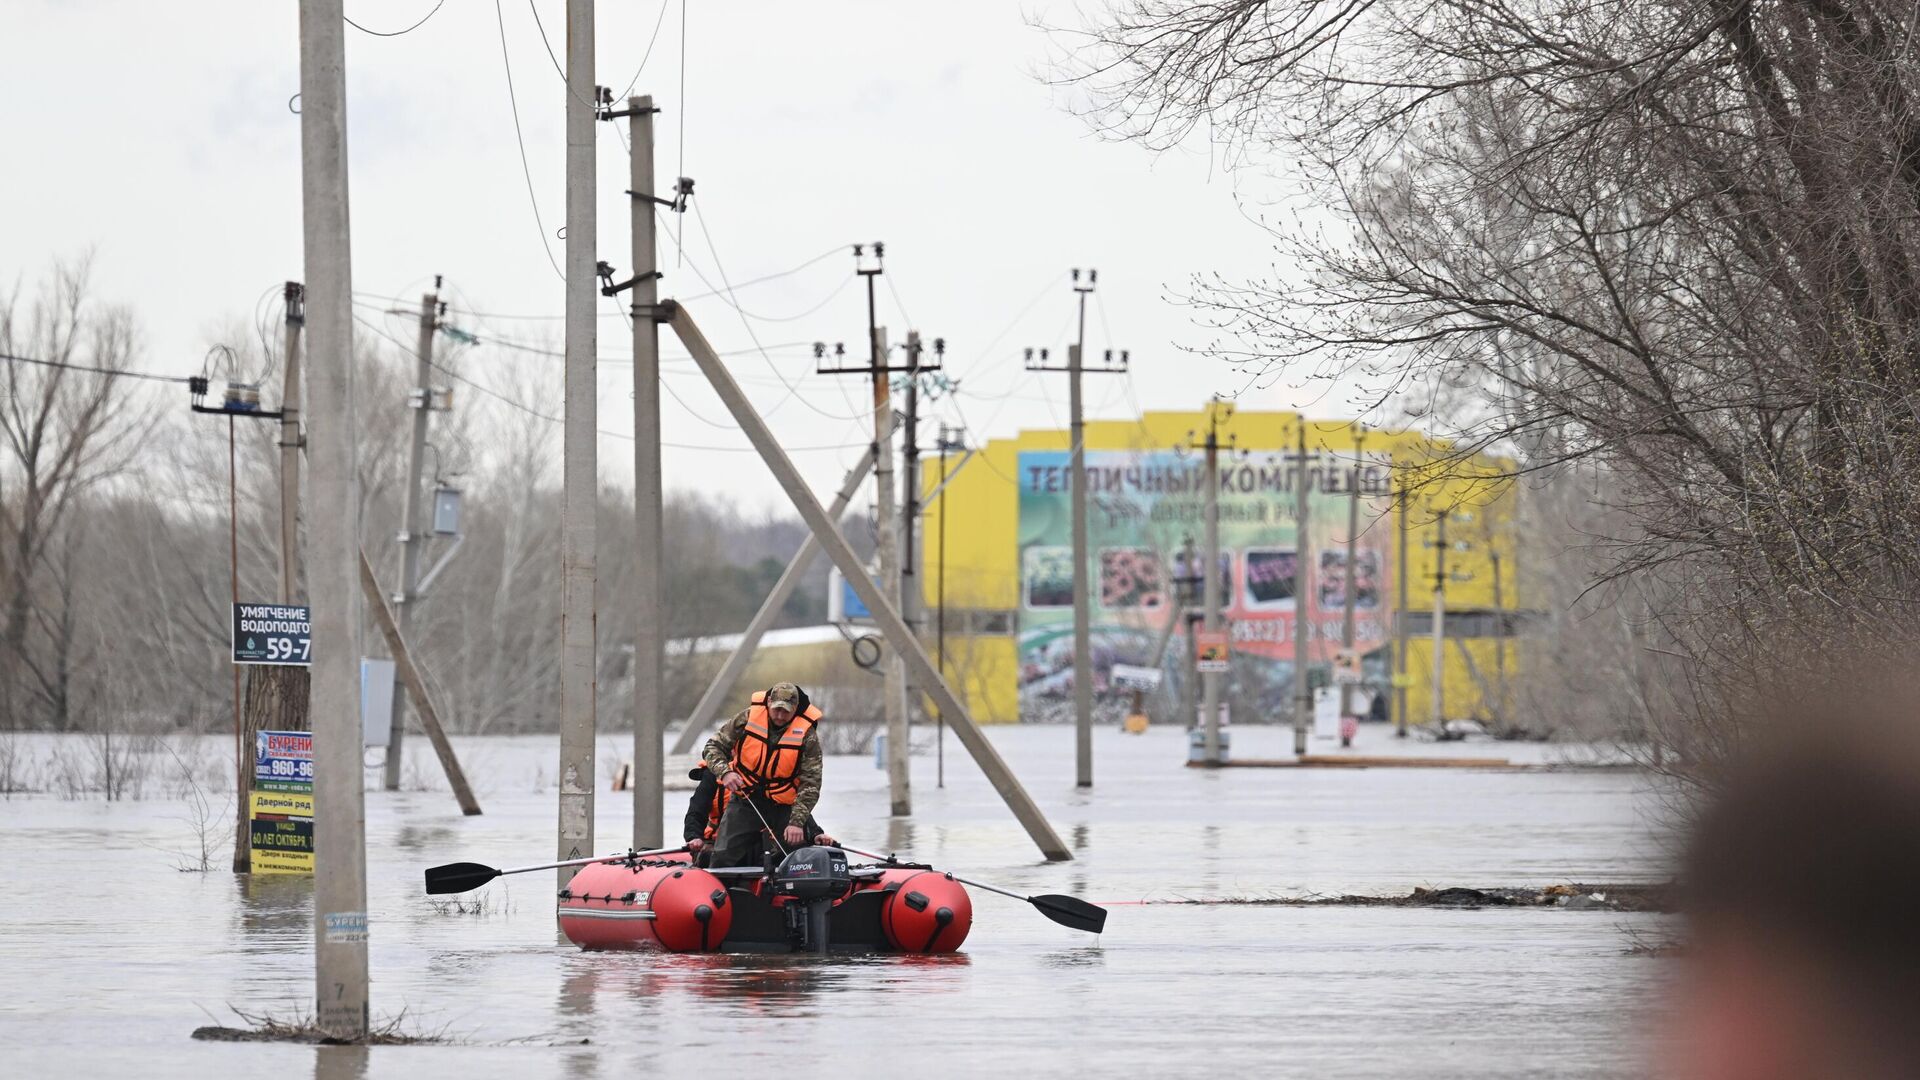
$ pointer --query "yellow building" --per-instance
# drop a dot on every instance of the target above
(996, 562)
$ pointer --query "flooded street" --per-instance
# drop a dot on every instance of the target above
(110, 956)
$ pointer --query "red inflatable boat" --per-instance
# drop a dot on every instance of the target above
(814, 901)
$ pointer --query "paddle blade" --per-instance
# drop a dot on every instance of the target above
(458, 877)
(1071, 911)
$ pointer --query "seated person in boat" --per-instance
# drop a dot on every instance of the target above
(768, 759)
(703, 816)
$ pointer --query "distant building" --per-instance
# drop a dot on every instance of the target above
(1007, 577)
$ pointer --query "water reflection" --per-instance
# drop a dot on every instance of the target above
(1085, 956)
(275, 904)
(340, 1063)
(899, 835)
(412, 837)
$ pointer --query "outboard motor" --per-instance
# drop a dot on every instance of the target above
(811, 879)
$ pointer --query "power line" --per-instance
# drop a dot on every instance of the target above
(657, 24)
(397, 33)
(520, 140)
(793, 389)
(111, 372)
(680, 225)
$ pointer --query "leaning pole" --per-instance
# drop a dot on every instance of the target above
(921, 668)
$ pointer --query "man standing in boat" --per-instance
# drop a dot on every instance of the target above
(768, 758)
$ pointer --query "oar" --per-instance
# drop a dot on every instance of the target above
(466, 876)
(1068, 911)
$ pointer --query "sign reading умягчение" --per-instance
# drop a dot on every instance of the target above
(272, 634)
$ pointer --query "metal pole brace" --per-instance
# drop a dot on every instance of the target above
(609, 288)
(682, 191)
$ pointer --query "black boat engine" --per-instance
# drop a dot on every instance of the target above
(811, 879)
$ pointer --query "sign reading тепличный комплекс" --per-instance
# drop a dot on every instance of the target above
(272, 634)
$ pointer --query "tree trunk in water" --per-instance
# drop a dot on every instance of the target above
(276, 700)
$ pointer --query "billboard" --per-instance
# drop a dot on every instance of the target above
(1142, 508)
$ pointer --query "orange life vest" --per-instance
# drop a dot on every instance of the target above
(769, 764)
(714, 810)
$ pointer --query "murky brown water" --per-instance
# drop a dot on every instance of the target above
(109, 956)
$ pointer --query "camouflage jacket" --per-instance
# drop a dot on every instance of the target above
(806, 779)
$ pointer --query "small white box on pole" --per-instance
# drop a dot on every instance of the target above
(376, 700)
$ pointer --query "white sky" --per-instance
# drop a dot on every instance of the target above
(159, 136)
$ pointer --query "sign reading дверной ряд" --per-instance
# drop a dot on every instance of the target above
(272, 634)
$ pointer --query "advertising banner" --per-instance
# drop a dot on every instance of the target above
(281, 832)
(1144, 507)
(283, 761)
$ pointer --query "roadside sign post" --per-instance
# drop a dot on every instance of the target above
(273, 634)
(280, 809)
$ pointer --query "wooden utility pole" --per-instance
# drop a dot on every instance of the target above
(290, 444)
(413, 527)
(649, 637)
(885, 615)
(1302, 598)
(580, 477)
(716, 693)
(339, 834)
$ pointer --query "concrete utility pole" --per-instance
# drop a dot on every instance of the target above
(1347, 628)
(899, 779)
(1210, 587)
(885, 615)
(413, 527)
(1401, 641)
(1438, 678)
(1187, 616)
(340, 850)
(911, 602)
(1082, 605)
(1077, 480)
(290, 444)
(711, 701)
(649, 640)
(1302, 600)
(580, 478)
(408, 674)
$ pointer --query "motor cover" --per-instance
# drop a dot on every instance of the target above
(812, 873)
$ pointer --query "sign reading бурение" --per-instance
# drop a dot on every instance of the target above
(272, 634)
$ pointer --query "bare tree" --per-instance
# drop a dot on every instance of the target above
(1676, 241)
(65, 427)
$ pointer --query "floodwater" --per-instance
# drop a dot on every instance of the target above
(110, 956)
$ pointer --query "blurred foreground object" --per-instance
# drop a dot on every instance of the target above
(1799, 883)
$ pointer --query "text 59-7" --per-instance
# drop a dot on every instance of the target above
(284, 648)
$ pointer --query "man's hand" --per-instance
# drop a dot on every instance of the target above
(694, 845)
(795, 837)
(826, 841)
(733, 781)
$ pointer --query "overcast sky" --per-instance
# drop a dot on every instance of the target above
(159, 135)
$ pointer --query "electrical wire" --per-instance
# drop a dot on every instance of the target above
(680, 226)
(398, 33)
(520, 139)
(831, 252)
(111, 372)
(793, 389)
(657, 24)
